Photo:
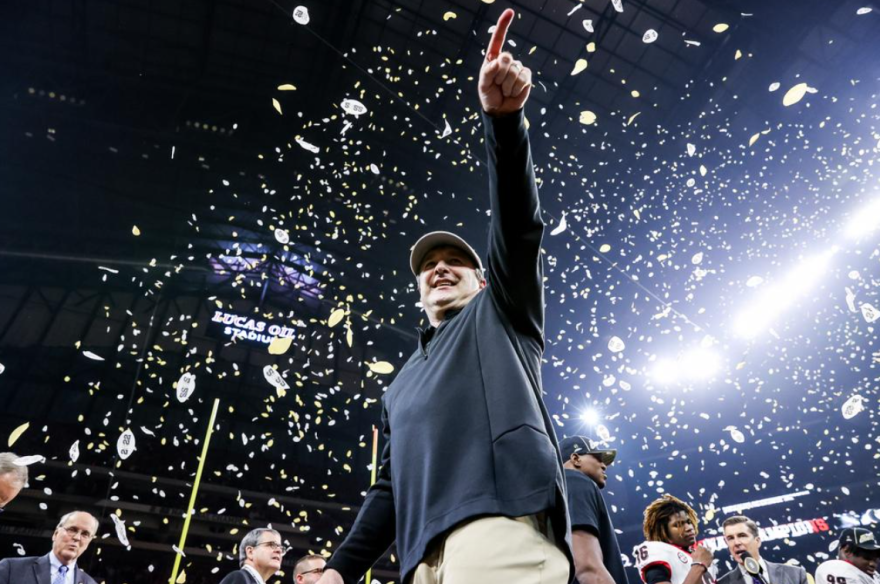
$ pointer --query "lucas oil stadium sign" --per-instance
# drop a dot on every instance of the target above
(239, 327)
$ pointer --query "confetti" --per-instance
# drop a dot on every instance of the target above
(280, 345)
(301, 15)
(125, 444)
(16, 434)
(853, 407)
(618, 5)
(73, 453)
(381, 367)
(307, 146)
(587, 118)
(864, 10)
(121, 534)
(450, 15)
(869, 313)
(720, 27)
(282, 236)
(277, 105)
(286, 87)
(29, 460)
(336, 317)
(353, 107)
(796, 93)
(616, 345)
(135, 231)
(774, 86)
(186, 386)
(588, 25)
(563, 225)
(650, 36)
(92, 356)
(579, 65)
(274, 378)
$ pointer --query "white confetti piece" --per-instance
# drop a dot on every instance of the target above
(301, 15)
(2, 368)
(186, 386)
(603, 433)
(28, 460)
(178, 551)
(374, 169)
(446, 130)
(851, 300)
(92, 356)
(697, 259)
(19, 549)
(121, 535)
(353, 107)
(650, 36)
(864, 10)
(691, 149)
(774, 86)
(588, 25)
(754, 281)
(74, 451)
(563, 225)
(282, 236)
(616, 345)
(307, 145)
(735, 434)
(125, 445)
(692, 43)
(853, 407)
(274, 378)
(869, 312)
(618, 5)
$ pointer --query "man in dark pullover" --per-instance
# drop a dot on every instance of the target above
(471, 485)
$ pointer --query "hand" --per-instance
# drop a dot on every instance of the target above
(702, 555)
(331, 576)
(504, 83)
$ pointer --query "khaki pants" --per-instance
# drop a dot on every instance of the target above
(494, 550)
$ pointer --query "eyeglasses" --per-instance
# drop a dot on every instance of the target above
(315, 571)
(74, 531)
(275, 546)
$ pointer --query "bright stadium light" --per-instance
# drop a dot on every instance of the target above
(864, 222)
(779, 297)
(590, 417)
(700, 363)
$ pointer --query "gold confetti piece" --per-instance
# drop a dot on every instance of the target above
(738, 55)
(381, 367)
(135, 231)
(796, 93)
(632, 117)
(276, 105)
(587, 118)
(591, 48)
(279, 346)
(720, 27)
(579, 66)
(488, 1)
(635, 93)
(349, 337)
(335, 317)
(16, 434)
(605, 248)
(754, 138)
(286, 87)
(182, 578)
(450, 15)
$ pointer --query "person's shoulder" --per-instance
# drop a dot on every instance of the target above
(579, 479)
(84, 578)
(785, 567)
(20, 561)
(236, 577)
(729, 576)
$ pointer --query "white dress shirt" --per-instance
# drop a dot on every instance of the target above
(55, 564)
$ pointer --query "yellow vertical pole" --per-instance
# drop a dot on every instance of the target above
(368, 579)
(195, 490)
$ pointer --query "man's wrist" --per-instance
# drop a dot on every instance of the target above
(700, 564)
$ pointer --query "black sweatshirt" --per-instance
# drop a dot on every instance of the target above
(466, 430)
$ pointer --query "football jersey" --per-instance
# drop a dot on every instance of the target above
(675, 559)
(840, 572)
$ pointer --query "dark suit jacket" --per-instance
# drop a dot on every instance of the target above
(778, 574)
(238, 577)
(34, 570)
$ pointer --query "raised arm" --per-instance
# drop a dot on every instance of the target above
(514, 266)
(374, 529)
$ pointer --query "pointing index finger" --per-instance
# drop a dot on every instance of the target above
(497, 42)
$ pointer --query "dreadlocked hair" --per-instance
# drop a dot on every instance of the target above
(658, 513)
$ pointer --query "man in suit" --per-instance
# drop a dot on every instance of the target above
(742, 535)
(72, 537)
(12, 478)
(308, 569)
(259, 554)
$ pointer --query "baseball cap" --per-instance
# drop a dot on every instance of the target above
(860, 538)
(581, 445)
(434, 239)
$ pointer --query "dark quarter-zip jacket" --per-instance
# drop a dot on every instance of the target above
(466, 432)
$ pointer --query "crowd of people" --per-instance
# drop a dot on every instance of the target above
(474, 487)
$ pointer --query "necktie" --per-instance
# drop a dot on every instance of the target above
(756, 580)
(62, 572)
